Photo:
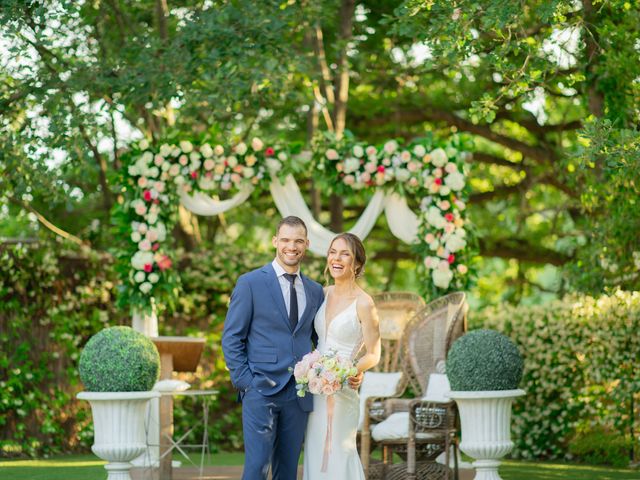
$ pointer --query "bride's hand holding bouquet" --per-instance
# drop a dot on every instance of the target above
(324, 374)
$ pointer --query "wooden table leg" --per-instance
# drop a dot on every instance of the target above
(166, 419)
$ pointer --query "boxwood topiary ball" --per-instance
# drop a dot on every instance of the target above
(119, 359)
(484, 360)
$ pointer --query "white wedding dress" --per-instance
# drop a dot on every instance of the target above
(342, 461)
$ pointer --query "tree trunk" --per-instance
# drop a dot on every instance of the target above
(347, 10)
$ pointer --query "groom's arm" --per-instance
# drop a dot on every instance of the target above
(234, 335)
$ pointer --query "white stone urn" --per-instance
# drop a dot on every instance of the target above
(119, 428)
(485, 418)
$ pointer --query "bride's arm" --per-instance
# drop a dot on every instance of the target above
(368, 316)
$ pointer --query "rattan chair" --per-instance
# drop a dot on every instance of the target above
(395, 309)
(431, 428)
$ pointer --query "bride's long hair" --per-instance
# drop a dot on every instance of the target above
(356, 248)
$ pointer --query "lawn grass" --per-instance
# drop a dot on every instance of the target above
(89, 467)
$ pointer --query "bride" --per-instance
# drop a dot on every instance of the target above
(346, 321)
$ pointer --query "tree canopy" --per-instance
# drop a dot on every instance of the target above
(547, 90)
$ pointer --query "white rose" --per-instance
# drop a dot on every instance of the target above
(241, 148)
(133, 171)
(419, 151)
(162, 231)
(206, 150)
(144, 245)
(351, 165)
(248, 172)
(332, 154)
(273, 165)
(439, 157)
(139, 277)
(146, 158)
(179, 180)
(145, 287)
(136, 237)
(139, 207)
(256, 144)
(358, 151)
(165, 150)
(444, 190)
(153, 172)
(462, 269)
(140, 259)
(206, 183)
(450, 167)
(402, 174)
(371, 151)
(152, 235)
(302, 157)
(435, 218)
(154, 277)
(441, 278)
(143, 144)
(455, 243)
(152, 218)
(390, 147)
(232, 161)
(175, 151)
(455, 181)
(186, 146)
(218, 150)
(209, 164)
(174, 170)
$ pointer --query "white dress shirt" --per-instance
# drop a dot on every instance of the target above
(285, 286)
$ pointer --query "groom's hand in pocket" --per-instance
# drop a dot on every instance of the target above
(356, 381)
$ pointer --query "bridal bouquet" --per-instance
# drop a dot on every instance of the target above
(322, 373)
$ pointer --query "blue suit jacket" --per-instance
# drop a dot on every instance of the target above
(258, 343)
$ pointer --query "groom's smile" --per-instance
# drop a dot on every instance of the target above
(291, 244)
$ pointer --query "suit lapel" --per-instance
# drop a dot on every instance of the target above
(273, 285)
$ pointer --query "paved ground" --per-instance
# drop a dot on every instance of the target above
(222, 473)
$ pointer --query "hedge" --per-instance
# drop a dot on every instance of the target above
(581, 372)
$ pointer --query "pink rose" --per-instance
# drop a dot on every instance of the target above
(315, 385)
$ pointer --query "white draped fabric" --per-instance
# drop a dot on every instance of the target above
(290, 201)
(201, 204)
(402, 222)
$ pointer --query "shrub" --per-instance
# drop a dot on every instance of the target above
(119, 359)
(601, 447)
(484, 360)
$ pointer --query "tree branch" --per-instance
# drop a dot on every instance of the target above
(347, 10)
(521, 250)
(325, 79)
(41, 218)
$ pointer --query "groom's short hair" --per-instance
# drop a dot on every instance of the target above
(292, 221)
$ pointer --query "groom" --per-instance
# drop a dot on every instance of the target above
(269, 327)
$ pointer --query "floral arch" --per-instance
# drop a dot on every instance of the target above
(156, 180)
